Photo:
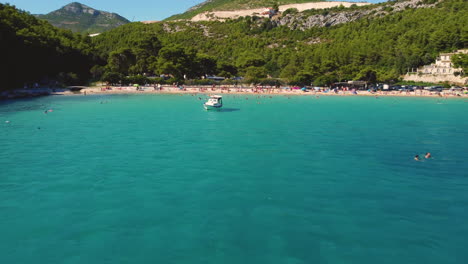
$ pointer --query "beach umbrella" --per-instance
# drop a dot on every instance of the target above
(304, 89)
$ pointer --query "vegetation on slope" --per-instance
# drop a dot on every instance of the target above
(35, 51)
(371, 49)
(81, 18)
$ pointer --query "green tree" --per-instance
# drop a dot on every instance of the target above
(97, 71)
(461, 61)
(289, 71)
(225, 69)
(249, 59)
(302, 78)
(206, 64)
(367, 74)
(121, 61)
(177, 61)
(324, 80)
(112, 77)
(254, 74)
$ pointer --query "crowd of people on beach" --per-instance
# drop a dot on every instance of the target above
(258, 89)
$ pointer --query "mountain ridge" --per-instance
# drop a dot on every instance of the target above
(82, 18)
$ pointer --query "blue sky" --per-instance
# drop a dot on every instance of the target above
(133, 10)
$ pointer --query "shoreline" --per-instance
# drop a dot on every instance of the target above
(259, 91)
(208, 90)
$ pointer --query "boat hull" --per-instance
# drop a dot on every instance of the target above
(212, 107)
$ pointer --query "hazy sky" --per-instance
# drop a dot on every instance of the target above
(133, 10)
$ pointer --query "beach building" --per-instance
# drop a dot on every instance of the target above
(442, 70)
(442, 65)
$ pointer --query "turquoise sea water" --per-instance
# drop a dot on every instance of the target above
(157, 179)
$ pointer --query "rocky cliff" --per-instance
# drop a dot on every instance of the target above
(327, 18)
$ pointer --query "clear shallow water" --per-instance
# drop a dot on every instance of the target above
(156, 179)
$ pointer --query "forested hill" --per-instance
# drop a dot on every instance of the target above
(35, 51)
(378, 45)
(81, 18)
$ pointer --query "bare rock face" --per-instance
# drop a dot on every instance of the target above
(78, 8)
(296, 21)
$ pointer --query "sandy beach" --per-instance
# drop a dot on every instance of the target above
(169, 89)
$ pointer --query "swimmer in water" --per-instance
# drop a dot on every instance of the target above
(416, 158)
(428, 155)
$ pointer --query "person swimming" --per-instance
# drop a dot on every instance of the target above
(428, 155)
(416, 158)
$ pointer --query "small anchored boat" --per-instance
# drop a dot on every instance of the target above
(214, 102)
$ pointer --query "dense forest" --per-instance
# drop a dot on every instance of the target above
(34, 51)
(373, 48)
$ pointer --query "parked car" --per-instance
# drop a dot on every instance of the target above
(434, 88)
(408, 88)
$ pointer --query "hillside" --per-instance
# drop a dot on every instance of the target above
(260, 12)
(37, 52)
(375, 43)
(372, 43)
(81, 18)
(229, 5)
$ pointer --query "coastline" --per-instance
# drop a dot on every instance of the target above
(209, 90)
(257, 91)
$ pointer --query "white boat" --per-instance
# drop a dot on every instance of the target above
(214, 102)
